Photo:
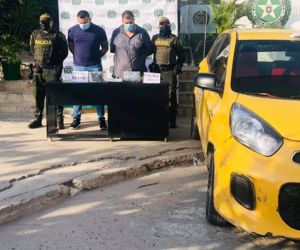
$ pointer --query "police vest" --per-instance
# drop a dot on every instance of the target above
(165, 51)
(43, 47)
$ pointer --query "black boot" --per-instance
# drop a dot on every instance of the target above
(60, 123)
(37, 123)
(102, 123)
(173, 124)
(172, 120)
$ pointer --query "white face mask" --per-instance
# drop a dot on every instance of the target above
(84, 26)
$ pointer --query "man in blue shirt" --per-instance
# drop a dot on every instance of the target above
(85, 40)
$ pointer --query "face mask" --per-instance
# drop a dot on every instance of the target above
(45, 26)
(129, 27)
(165, 31)
(84, 26)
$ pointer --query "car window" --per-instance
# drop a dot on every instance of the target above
(220, 64)
(270, 68)
(214, 50)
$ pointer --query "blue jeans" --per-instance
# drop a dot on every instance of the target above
(77, 108)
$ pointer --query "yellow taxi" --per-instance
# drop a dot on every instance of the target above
(247, 114)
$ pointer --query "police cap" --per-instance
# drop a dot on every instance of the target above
(45, 16)
(164, 20)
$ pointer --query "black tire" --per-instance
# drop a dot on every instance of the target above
(194, 127)
(212, 215)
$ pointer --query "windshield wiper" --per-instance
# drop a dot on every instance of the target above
(271, 95)
(260, 94)
(295, 96)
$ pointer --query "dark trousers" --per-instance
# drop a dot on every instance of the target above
(40, 80)
(170, 78)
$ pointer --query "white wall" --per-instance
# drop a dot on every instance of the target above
(107, 13)
(294, 21)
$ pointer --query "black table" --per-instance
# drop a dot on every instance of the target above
(135, 111)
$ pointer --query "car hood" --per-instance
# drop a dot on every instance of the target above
(281, 114)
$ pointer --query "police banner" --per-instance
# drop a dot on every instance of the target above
(107, 14)
(272, 13)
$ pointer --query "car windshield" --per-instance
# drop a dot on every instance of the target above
(268, 68)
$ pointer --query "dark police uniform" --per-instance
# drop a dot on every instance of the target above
(49, 50)
(168, 60)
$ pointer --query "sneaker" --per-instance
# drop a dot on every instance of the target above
(60, 124)
(35, 124)
(102, 123)
(75, 124)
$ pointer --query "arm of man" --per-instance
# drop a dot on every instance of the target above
(148, 44)
(70, 41)
(179, 51)
(103, 42)
(63, 45)
(31, 42)
(104, 48)
(180, 57)
(112, 42)
(154, 48)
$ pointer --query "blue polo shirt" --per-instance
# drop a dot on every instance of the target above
(86, 44)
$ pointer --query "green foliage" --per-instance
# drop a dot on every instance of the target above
(20, 17)
(5, 8)
(23, 18)
(226, 13)
(9, 48)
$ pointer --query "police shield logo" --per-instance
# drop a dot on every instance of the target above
(201, 18)
(111, 14)
(158, 12)
(271, 11)
(147, 27)
(173, 26)
(65, 15)
(76, 2)
(68, 70)
(111, 69)
(136, 13)
(99, 2)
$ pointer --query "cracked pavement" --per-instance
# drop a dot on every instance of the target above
(35, 172)
(163, 210)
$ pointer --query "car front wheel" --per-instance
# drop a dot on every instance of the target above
(212, 215)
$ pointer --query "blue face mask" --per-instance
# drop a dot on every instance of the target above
(84, 26)
(130, 27)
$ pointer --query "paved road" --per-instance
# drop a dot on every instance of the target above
(26, 151)
(164, 210)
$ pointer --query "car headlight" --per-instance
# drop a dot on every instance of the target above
(253, 132)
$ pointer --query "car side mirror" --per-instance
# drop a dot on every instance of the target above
(206, 81)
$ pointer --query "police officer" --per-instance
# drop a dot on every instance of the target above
(49, 48)
(168, 60)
